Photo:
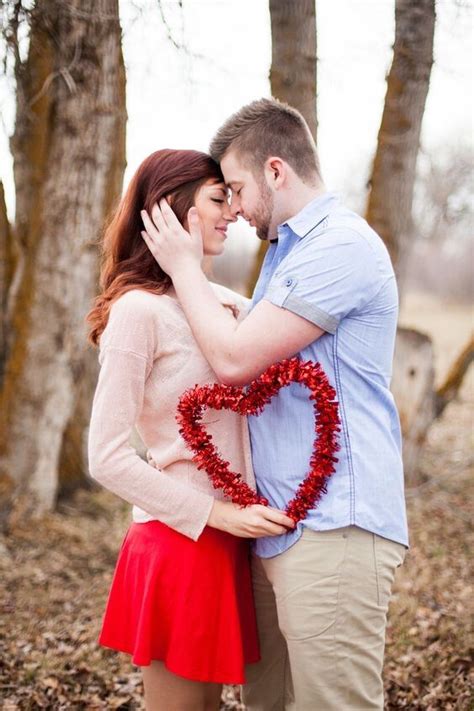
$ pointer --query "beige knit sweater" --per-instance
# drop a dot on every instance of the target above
(148, 358)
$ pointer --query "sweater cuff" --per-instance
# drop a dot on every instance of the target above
(202, 506)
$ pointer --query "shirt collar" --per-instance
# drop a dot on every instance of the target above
(311, 215)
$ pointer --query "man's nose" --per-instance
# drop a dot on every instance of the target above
(234, 208)
(229, 215)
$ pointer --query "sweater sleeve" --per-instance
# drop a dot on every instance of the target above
(128, 348)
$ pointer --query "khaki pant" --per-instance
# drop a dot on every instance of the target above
(322, 611)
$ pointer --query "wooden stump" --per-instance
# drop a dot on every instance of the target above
(413, 389)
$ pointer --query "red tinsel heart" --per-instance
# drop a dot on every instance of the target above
(251, 401)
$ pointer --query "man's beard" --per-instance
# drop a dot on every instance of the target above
(262, 216)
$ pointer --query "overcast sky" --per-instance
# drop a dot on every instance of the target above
(178, 99)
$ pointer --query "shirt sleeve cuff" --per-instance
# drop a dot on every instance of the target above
(300, 307)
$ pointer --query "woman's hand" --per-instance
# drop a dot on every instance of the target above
(252, 522)
(172, 246)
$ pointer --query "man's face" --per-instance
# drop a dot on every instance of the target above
(250, 198)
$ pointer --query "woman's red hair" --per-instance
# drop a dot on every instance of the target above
(127, 262)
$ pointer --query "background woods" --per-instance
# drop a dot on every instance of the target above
(64, 71)
(69, 156)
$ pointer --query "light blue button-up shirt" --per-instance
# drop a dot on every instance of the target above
(331, 268)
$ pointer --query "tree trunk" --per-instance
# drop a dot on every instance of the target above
(419, 403)
(293, 72)
(7, 265)
(69, 157)
(389, 208)
(413, 390)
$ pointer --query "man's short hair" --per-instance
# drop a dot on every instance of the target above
(265, 128)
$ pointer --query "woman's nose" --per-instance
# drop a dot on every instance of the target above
(229, 214)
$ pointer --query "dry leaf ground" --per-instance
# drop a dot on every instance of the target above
(54, 577)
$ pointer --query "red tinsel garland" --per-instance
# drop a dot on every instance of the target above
(251, 401)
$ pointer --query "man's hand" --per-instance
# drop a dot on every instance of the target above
(173, 247)
(252, 522)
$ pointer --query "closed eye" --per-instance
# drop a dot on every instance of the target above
(218, 200)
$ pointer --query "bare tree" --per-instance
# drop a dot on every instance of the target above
(69, 156)
(443, 251)
(390, 212)
(389, 209)
(293, 71)
(6, 272)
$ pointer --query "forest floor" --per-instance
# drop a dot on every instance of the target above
(54, 577)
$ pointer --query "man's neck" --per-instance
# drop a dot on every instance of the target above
(300, 197)
(295, 200)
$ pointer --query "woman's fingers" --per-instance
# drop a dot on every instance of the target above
(194, 224)
(278, 516)
(270, 522)
(148, 240)
(251, 522)
(271, 529)
(167, 214)
(158, 218)
(149, 225)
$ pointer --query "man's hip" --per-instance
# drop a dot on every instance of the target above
(329, 596)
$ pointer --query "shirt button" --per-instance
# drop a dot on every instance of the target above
(289, 282)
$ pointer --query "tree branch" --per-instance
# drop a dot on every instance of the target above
(452, 384)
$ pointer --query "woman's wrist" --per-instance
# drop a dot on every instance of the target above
(217, 515)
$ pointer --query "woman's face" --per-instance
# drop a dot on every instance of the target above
(214, 213)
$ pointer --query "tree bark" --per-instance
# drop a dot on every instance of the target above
(389, 208)
(419, 403)
(69, 157)
(292, 73)
(454, 379)
(293, 70)
(413, 390)
(7, 265)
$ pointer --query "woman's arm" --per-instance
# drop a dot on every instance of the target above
(116, 465)
(127, 359)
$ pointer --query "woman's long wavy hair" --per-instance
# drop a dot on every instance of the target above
(127, 263)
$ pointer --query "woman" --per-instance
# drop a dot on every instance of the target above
(180, 601)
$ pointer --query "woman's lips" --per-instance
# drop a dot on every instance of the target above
(222, 230)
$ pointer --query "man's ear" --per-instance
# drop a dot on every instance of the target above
(275, 170)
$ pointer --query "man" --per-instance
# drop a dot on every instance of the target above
(327, 292)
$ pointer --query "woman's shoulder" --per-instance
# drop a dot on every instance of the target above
(134, 319)
(137, 298)
(227, 296)
(139, 302)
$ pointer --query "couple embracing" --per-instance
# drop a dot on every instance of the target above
(206, 592)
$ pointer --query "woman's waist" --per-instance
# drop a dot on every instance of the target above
(179, 466)
(174, 457)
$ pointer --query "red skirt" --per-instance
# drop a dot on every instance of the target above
(186, 603)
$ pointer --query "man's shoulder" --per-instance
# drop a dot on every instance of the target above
(345, 229)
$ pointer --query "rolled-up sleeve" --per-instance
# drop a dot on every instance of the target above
(325, 278)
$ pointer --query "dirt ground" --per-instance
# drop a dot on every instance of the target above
(54, 577)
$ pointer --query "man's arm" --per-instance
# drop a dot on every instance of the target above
(237, 352)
